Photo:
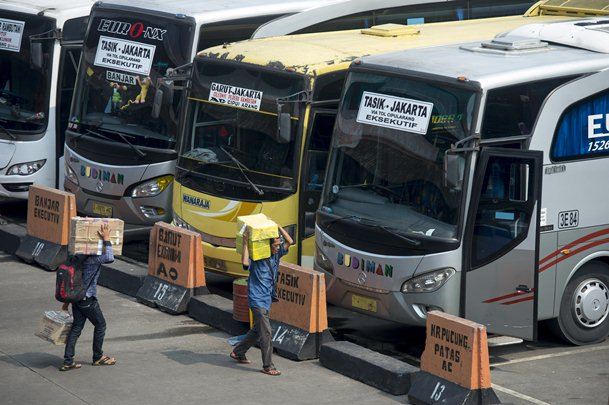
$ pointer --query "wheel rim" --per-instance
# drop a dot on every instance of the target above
(591, 302)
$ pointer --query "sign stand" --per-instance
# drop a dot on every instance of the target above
(48, 227)
(175, 269)
(455, 364)
(299, 319)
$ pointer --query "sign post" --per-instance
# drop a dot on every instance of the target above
(175, 269)
(299, 319)
(455, 364)
(49, 212)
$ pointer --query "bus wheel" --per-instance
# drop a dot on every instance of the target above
(584, 308)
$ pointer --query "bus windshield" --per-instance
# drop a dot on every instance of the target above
(24, 89)
(386, 168)
(232, 129)
(123, 56)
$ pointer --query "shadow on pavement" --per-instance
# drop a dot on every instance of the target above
(36, 360)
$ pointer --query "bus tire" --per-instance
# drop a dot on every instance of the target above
(584, 308)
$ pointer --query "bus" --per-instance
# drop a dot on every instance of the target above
(40, 45)
(234, 161)
(446, 184)
(123, 125)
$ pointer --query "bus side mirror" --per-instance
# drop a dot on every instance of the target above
(454, 170)
(36, 55)
(157, 103)
(285, 127)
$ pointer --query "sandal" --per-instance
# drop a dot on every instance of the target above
(271, 371)
(105, 361)
(72, 366)
(239, 359)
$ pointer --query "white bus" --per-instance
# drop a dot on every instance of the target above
(475, 187)
(40, 44)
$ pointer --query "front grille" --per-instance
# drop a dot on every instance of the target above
(218, 241)
(363, 287)
(16, 187)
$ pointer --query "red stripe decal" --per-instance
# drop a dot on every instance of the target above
(512, 295)
(529, 298)
(575, 242)
(574, 252)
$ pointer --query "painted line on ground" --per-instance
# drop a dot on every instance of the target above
(551, 355)
(518, 395)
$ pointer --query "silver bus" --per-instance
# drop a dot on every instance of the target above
(120, 143)
(40, 43)
(475, 187)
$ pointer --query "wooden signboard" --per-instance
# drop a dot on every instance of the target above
(299, 318)
(455, 364)
(175, 268)
(48, 214)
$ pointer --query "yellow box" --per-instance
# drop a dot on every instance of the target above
(259, 226)
(258, 249)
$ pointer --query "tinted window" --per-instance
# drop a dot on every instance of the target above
(230, 31)
(504, 210)
(583, 130)
(75, 29)
(512, 111)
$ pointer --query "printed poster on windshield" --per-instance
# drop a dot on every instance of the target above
(402, 114)
(11, 32)
(124, 55)
(235, 96)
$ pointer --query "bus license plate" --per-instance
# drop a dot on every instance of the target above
(367, 304)
(102, 209)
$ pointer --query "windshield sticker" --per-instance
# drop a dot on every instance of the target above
(235, 96)
(402, 114)
(120, 77)
(135, 30)
(11, 32)
(128, 56)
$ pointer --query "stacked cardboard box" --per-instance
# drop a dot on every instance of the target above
(85, 240)
(55, 326)
(260, 230)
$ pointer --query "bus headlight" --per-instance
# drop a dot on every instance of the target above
(428, 282)
(179, 222)
(71, 174)
(322, 261)
(26, 168)
(152, 187)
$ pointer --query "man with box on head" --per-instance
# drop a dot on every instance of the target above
(260, 294)
(89, 308)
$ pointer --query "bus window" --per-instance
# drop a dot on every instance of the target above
(418, 14)
(512, 111)
(67, 79)
(348, 22)
(503, 213)
(497, 8)
(582, 132)
(230, 31)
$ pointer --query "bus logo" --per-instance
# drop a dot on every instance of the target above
(366, 266)
(135, 30)
(196, 201)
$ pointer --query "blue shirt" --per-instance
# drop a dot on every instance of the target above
(91, 267)
(261, 283)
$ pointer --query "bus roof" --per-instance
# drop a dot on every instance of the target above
(321, 53)
(208, 11)
(500, 62)
(60, 10)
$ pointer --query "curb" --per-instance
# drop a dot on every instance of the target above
(123, 276)
(10, 237)
(371, 368)
(217, 312)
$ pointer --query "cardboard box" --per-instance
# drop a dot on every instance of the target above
(258, 249)
(49, 212)
(55, 326)
(85, 240)
(259, 226)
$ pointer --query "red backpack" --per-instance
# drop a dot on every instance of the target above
(69, 285)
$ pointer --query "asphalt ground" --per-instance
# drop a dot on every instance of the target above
(162, 356)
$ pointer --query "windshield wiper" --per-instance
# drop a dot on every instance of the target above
(9, 133)
(239, 165)
(394, 232)
(332, 221)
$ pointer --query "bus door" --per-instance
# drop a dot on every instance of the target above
(312, 180)
(502, 243)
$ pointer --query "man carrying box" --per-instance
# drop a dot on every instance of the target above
(89, 308)
(260, 289)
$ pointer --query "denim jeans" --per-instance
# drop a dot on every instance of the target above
(83, 310)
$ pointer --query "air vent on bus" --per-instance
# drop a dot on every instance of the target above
(391, 30)
(582, 8)
(511, 43)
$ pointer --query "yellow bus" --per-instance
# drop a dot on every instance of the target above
(260, 114)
